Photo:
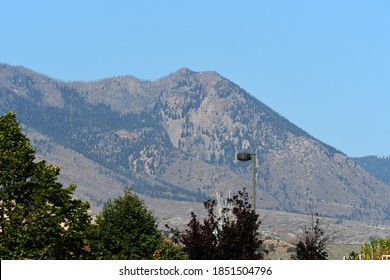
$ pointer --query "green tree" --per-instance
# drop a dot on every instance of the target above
(353, 256)
(376, 249)
(229, 231)
(167, 250)
(311, 245)
(39, 219)
(126, 229)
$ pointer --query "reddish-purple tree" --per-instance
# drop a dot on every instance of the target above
(228, 234)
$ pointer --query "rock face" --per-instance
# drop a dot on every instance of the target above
(177, 138)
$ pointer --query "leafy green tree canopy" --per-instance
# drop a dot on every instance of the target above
(167, 250)
(376, 249)
(39, 219)
(126, 229)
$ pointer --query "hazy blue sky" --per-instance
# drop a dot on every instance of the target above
(324, 65)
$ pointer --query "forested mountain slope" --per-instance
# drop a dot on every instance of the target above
(177, 138)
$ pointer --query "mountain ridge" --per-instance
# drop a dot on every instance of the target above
(378, 166)
(177, 138)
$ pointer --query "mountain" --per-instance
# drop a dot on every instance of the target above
(175, 141)
(377, 166)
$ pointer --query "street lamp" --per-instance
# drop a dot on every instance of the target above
(247, 157)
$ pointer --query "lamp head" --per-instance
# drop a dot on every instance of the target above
(244, 156)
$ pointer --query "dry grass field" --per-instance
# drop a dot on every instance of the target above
(280, 230)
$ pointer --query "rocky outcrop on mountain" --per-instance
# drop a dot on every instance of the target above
(177, 138)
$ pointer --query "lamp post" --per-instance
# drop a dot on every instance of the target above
(247, 157)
